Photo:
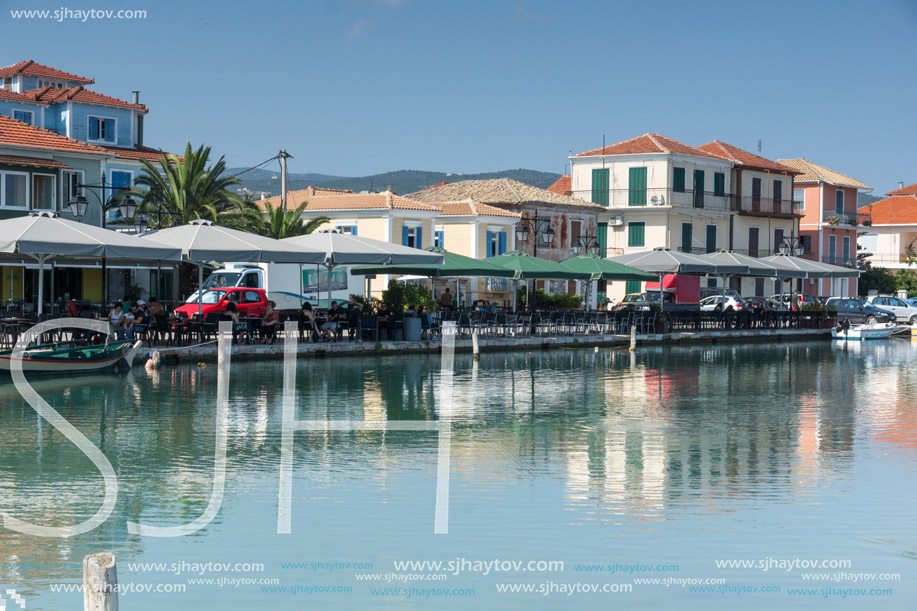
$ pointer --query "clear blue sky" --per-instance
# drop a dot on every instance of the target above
(355, 87)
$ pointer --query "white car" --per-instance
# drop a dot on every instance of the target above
(729, 304)
(899, 307)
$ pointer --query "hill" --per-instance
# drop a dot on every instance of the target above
(401, 181)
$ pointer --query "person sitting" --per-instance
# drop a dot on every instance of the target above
(116, 321)
(424, 321)
(445, 299)
(135, 321)
(269, 323)
(385, 320)
(354, 309)
(307, 322)
(333, 324)
(239, 327)
(718, 307)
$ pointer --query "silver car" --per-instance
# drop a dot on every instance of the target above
(900, 308)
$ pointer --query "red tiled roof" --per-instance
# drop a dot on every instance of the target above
(6, 94)
(33, 162)
(332, 199)
(562, 186)
(648, 143)
(737, 155)
(895, 210)
(80, 94)
(139, 152)
(439, 184)
(17, 133)
(35, 69)
(910, 190)
(473, 208)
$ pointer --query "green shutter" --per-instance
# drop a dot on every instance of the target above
(602, 239)
(719, 184)
(678, 180)
(698, 188)
(636, 187)
(711, 238)
(636, 234)
(600, 186)
(687, 236)
(632, 286)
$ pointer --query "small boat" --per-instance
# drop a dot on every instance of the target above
(76, 356)
(846, 331)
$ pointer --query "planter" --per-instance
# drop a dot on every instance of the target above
(411, 328)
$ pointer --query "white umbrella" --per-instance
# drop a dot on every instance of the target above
(44, 236)
(346, 249)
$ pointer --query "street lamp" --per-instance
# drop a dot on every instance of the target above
(585, 244)
(540, 228)
(792, 244)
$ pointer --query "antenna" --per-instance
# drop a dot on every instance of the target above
(759, 145)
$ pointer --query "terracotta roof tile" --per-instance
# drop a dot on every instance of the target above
(473, 208)
(496, 191)
(648, 143)
(910, 190)
(895, 210)
(738, 156)
(331, 199)
(35, 69)
(25, 98)
(33, 162)
(138, 153)
(812, 172)
(562, 186)
(17, 133)
(50, 95)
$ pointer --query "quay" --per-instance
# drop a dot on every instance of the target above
(207, 352)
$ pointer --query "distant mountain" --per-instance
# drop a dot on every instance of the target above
(864, 199)
(401, 181)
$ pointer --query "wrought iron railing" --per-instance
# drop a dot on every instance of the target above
(767, 205)
(833, 217)
(650, 197)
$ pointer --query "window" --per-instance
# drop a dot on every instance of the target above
(631, 287)
(698, 188)
(8, 82)
(759, 287)
(412, 236)
(42, 192)
(846, 252)
(15, 189)
(26, 116)
(753, 235)
(711, 238)
(636, 194)
(778, 240)
(439, 238)
(799, 195)
(101, 129)
(600, 186)
(719, 184)
(832, 249)
(121, 179)
(251, 297)
(636, 234)
(687, 236)
(755, 194)
(576, 230)
(496, 242)
(839, 201)
(348, 229)
(69, 189)
(778, 195)
(54, 84)
(678, 180)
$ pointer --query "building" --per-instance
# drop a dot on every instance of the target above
(829, 223)
(891, 240)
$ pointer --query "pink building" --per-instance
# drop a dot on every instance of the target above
(828, 228)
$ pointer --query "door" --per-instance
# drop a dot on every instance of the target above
(698, 188)
(778, 240)
(687, 236)
(756, 194)
(251, 304)
(753, 233)
(778, 195)
(711, 238)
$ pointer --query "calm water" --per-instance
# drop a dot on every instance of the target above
(672, 459)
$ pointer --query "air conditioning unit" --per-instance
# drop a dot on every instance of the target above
(616, 221)
(657, 200)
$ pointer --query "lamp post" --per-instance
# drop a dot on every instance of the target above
(536, 227)
(586, 244)
(79, 205)
(792, 245)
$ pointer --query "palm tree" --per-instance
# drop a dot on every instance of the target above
(282, 223)
(177, 191)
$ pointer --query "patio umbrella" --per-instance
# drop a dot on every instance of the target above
(527, 267)
(811, 269)
(756, 267)
(452, 265)
(603, 269)
(201, 241)
(346, 249)
(44, 236)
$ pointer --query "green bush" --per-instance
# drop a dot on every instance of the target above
(399, 295)
(546, 301)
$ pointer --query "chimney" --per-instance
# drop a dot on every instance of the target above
(136, 96)
(900, 184)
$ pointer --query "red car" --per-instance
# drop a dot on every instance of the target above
(250, 302)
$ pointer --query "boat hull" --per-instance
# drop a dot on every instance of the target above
(43, 359)
(864, 332)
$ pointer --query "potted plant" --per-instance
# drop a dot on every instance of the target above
(834, 220)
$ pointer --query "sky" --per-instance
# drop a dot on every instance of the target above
(357, 87)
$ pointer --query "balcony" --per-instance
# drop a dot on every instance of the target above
(833, 217)
(651, 198)
(768, 206)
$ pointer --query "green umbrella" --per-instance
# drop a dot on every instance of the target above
(603, 269)
(527, 267)
(453, 265)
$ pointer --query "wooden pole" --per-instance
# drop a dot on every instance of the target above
(100, 583)
(633, 337)
(475, 349)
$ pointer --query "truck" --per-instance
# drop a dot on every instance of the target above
(681, 292)
(287, 284)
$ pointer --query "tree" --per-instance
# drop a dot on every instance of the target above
(879, 279)
(280, 223)
(177, 191)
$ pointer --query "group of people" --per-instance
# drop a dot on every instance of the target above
(269, 321)
(128, 318)
(338, 317)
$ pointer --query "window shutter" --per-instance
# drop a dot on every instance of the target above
(687, 236)
(353, 230)
(711, 238)
(678, 180)
(418, 237)
(440, 238)
(404, 235)
(602, 239)
(698, 188)
(719, 184)
(110, 130)
(502, 242)
(636, 187)
(93, 128)
(600, 186)
(632, 286)
(490, 244)
(636, 234)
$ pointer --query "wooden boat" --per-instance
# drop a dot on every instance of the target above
(73, 357)
(846, 331)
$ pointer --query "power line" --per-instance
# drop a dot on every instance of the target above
(263, 163)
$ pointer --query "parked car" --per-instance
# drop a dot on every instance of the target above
(727, 303)
(250, 302)
(800, 299)
(912, 301)
(858, 311)
(710, 291)
(763, 303)
(899, 307)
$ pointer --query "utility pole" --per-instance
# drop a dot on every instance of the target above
(283, 156)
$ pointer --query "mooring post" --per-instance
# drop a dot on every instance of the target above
(100, 583)
(475, 349)
(633, 338)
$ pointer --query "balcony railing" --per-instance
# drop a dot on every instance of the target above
(768, 206)
(833, 217)
(696, 250)
(650, 197)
